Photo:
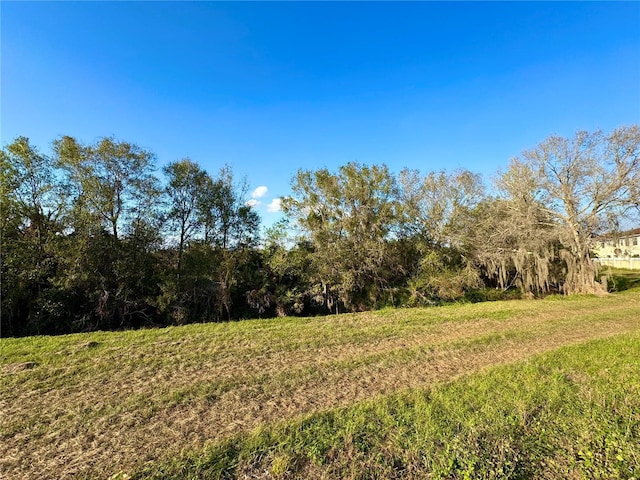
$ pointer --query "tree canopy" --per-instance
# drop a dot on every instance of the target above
(93, 238)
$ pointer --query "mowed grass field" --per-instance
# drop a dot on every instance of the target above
(514, 389)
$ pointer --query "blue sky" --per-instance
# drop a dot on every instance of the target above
(269, 88)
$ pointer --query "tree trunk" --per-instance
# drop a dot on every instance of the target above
(581, 274)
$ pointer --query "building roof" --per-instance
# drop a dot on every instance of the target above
(628, 233)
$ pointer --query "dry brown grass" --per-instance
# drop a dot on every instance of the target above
(101, 403)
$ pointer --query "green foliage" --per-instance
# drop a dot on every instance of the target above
(348, 218)
(384, 240)
(185, 185)
(32, 207)
(288, 287)
(91, 239)
(215, 233)
(442, 276)
(83, 247)
(227, 220)
(113, 181)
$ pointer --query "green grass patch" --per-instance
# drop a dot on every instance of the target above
(570, 413)
(88, 405)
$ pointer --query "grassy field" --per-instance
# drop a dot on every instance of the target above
(519, 389)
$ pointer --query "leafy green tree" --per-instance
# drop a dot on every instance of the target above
(230, 231)
(113, 181)
(32, 207)
(218, 234)
(186, 182)
(348, 217)
(285, 287)
(113, 224)
(227, 218)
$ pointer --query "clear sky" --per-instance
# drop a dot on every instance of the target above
(269, 88)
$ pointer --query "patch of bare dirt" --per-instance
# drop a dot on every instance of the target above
(18, 367)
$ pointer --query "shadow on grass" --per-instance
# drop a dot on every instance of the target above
(620, 279)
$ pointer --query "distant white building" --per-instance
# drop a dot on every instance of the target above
(619, 245)
(619, 249)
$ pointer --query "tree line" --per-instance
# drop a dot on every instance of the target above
(92, 238)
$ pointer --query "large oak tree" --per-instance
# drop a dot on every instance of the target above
(581, 187)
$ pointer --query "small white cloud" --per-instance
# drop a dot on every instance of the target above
(259, 192)
(253, 203)
(274, 206)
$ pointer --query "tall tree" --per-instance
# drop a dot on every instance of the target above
(436, 206)
(32, 206)
(32, 188)
(212, 268)
(113, 227)
(584, 185)
(230, 231)
(112, 180)
(348, 217)
(436, 218)
(186, 182)
(227, 218)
